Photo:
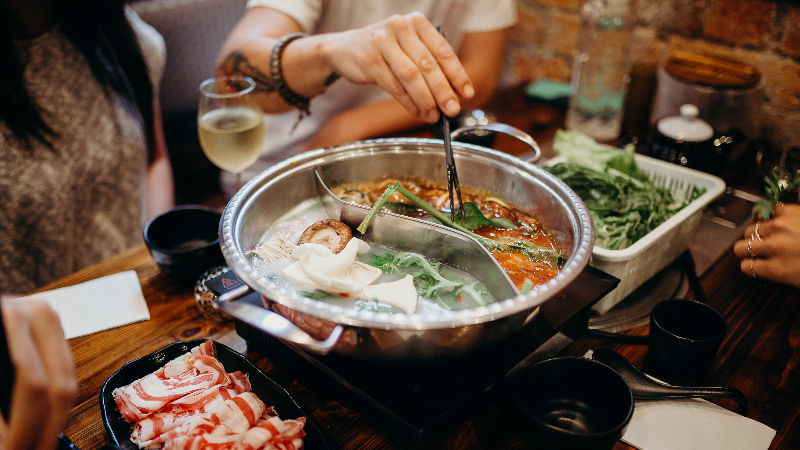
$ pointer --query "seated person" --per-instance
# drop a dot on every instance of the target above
(368, 70)
(83, 160)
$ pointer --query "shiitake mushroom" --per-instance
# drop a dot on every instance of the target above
(329, 232)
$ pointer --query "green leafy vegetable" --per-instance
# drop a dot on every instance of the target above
(400, 208)
(475, 218)
(533, 251)
(580, 148)
(624, 204)
(776, 188)
(428, 278)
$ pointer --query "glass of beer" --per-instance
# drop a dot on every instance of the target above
(230, 124)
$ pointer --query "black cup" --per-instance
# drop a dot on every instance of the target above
(573, 403)
(184, 242)
(685, 336)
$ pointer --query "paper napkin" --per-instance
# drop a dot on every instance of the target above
(99, 304)
(689, 424)
(692, 424)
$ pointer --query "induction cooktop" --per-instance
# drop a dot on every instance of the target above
(414, 403)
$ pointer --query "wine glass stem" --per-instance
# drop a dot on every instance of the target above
(237, 181)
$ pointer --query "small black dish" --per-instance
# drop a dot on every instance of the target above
(685, 336)
(573, 403)
(267, 390)
(184, 242)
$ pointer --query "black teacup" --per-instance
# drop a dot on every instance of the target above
(685, 336)
(184, 242)
(573, 403)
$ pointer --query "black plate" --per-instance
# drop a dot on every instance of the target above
(267, 390)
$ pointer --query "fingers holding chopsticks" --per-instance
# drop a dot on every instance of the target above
(409, 59)
(44, 383)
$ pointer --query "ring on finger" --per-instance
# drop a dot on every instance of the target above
(752, 271)
(750, 247)
(755, 232)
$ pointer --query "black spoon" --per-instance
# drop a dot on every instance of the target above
(644, 388)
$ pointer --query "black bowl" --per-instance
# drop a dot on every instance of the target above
(271, 393)
(184, 242)
(685, 336)
(573, 403)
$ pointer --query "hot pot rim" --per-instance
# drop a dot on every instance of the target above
(237, 261)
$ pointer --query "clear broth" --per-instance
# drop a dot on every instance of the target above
(291, 226)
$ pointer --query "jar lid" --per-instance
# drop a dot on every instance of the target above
(686, 127)
(710, 71)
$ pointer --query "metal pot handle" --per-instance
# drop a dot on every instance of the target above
(272, 322)
(505, 129)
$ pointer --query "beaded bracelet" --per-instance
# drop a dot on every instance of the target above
(276, 75)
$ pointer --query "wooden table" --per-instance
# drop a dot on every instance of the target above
(760, 355)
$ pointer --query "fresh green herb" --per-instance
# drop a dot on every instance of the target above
(535, 252)
(319, 295)
(776, 188)
(428, 278)
(475, 219)
(624, 204)
(580, 148)
(623, 208)
(400, 208)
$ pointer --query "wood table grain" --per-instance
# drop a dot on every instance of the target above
(760, 355)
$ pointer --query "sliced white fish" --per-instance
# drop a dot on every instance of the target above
(321, 265)
(400, 293)
(294, 274)
(317, 267)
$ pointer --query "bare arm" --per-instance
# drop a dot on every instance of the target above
(159, 185)
(405, 55)
(482, 56)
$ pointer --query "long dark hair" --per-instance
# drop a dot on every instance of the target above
(101, 32)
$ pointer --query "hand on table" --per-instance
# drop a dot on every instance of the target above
(45, 385)
(774, 247)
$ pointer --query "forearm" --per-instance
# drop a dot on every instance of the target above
(368, 121)
(159, 186)
(303, 63)
(405, 55)
(482, 54)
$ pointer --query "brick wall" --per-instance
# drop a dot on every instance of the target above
(764, 34)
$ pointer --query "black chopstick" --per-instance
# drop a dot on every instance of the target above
(452, 175)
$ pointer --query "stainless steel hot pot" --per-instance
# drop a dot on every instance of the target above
(321, 327)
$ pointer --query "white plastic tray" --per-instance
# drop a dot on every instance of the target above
(653, 252)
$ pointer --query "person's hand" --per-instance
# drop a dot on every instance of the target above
(408, 58)
(774, 247)
(44, 384)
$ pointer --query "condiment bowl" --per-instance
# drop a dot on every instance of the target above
(184, 241)
(685, 336)
(573, 403)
